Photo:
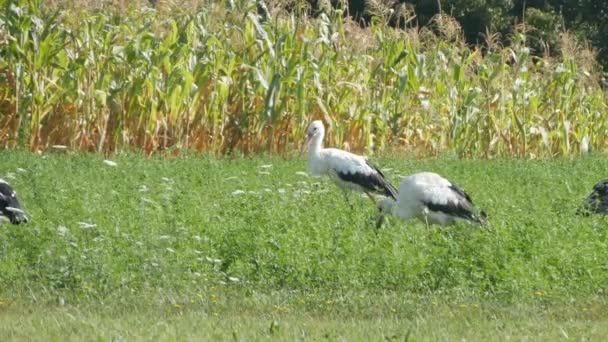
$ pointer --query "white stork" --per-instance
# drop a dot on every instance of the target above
(10, 207)
(348, 171)
(432, 199)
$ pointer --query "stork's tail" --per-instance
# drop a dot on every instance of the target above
(15, 215)
(382, 182)
(391, 191)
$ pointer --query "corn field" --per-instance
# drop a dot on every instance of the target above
(217, 77)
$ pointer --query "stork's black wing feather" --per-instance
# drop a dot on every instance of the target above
(374, 181)
(597, 201)
(389, 189)
(456, 209)
(461, 192)
(9, 204)
(463, 208)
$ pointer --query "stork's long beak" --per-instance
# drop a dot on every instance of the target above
(305, 145)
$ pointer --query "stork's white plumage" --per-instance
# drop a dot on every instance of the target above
(350, 172)
(432, 199)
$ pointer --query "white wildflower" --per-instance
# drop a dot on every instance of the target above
(213, 261)
(62, 230)
(86, 225)
(426, 104)
(110, 163)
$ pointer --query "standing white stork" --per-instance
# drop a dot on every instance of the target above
(350, 172)
(9, 204)
(432, 199)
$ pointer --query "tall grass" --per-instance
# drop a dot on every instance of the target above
(217, 77)
(194, 227)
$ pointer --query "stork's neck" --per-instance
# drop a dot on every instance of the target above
(387, 205)
(316, 145)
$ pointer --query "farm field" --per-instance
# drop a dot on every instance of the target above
(211, 230)
(220, 78)
(141, 248)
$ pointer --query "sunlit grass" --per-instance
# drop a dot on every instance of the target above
(191, 223)
(236, 244)
(388, 318)
(220, 79)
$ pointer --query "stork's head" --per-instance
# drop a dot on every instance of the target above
(385, 206)
(9, 204)
(315, 131)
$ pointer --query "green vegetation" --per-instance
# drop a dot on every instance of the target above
(545, 20)
(199, 246)
(219, 78)
(392, 318)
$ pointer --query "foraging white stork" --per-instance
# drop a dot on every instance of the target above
(350, 172)
(9, 204)
(432, 199)
(597, 201)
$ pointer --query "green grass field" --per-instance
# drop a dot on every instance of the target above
(180, 248)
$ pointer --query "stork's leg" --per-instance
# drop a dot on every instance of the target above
(345, 192)
(426, 218)
(380, 221)
(381, 217)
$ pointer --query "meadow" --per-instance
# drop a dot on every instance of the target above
(252, 248)
(154, 151)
